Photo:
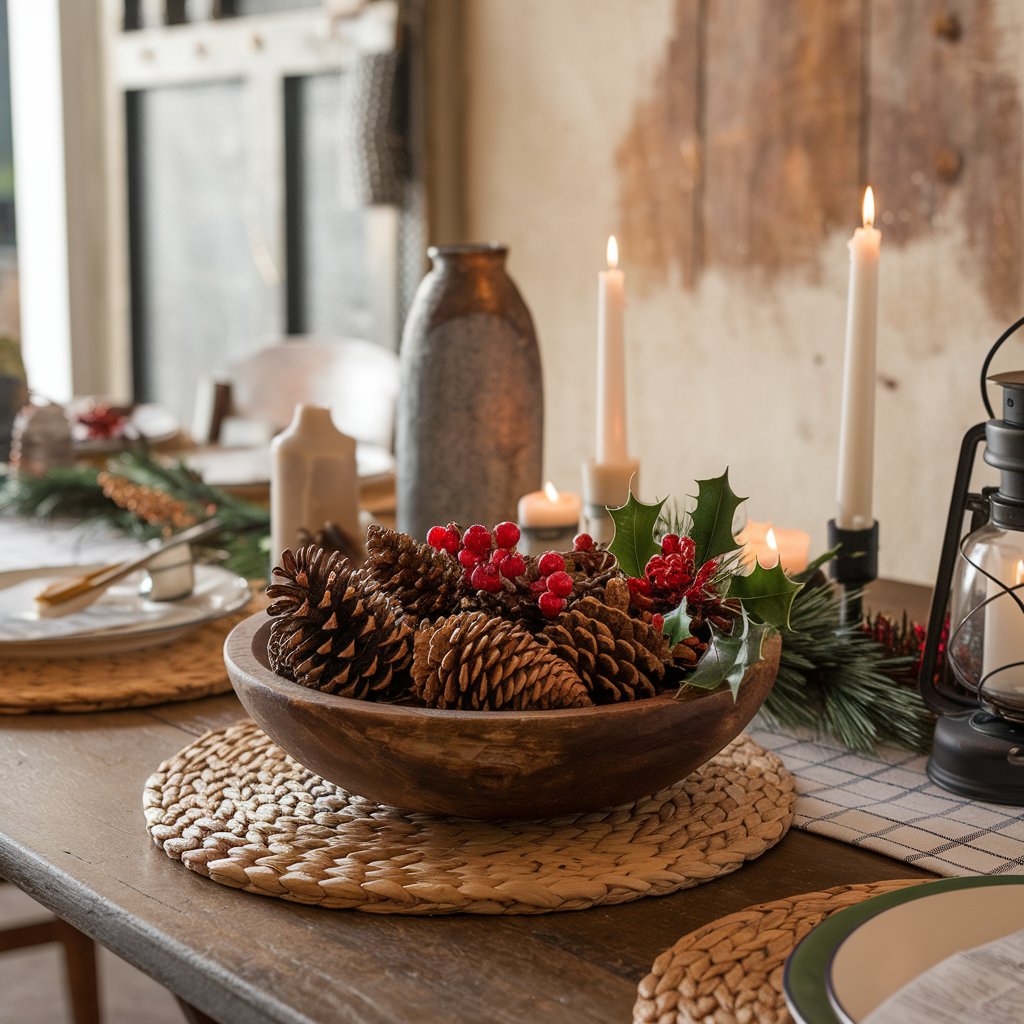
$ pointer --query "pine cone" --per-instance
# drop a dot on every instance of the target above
(331, 537)
(473, 661)
(424, 582)
(591, 571)
(617, 656)
(331, 632)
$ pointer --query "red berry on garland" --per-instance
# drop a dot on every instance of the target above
(669, 544)
(583, 542)
(658, 621)
(506, 535)
(467, 559)
(437, 537)
(550, 561)
(512, 566)
(478, 539)
(560, 584)
(486, 577)
(550, 605)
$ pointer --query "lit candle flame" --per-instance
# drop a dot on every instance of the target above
(868, 209)
(613, 253)
(769, 539)
(552, 492)
(1020, 571)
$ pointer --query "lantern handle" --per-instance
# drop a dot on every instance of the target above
(936, 699)
(988, 360)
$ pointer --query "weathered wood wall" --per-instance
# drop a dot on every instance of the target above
(727, 143)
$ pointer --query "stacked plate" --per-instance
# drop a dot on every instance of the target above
(854, 961)
(121, 620)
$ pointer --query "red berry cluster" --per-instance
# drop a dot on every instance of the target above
(485, 556)
(672, 577)
(102, 421)
(554, 584)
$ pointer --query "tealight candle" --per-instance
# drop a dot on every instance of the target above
(548, 519)
(771, 545)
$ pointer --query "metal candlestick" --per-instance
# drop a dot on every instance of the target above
(854, 567)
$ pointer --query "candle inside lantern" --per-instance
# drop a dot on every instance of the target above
(1004, 632)
(771, 545)
(857, 419)
(548, 519)
(611, 361)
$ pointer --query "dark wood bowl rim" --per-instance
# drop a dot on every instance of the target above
(249, 640)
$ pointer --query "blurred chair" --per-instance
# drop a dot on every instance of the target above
(357, 379)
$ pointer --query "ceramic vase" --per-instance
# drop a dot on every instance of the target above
(471, 408)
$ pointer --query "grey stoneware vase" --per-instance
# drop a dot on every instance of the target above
(471, 409)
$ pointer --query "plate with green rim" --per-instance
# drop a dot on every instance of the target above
(808, 972)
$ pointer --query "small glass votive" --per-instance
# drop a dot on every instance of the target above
(170, 576)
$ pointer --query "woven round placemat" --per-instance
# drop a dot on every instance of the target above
(234, 807)
(185, 669)
(730, 971)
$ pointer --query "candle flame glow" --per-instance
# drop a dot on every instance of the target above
(868, 209)
(613, 253)
(1020, 571)
(769, 539)
(551, 491)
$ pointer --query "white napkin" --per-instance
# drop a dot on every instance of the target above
(984, 985)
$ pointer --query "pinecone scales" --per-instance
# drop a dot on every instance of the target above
(424, 582)
(618, 657)
(472, 661)
(331, 632)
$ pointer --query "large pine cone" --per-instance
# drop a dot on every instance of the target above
(424, 582)
(331, 632)
(475, 662)
(618, 657)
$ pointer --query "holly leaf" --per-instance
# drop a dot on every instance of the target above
(677, 625)
(729, 655)
(633, 542)
(766, 594)
(712, 519)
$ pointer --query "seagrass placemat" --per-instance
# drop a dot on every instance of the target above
(730, 970)
(185, 669)
(234, 807)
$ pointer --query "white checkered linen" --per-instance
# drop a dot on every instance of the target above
(887, 804)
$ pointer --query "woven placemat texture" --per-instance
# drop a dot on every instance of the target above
(730, 971)
(185, 669)
(234, 807)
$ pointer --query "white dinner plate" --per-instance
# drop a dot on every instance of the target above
(905, 940)
(120, 620)
(250, 467)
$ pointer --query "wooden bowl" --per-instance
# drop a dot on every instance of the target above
(490, 764)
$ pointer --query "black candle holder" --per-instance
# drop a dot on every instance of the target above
(854, 567)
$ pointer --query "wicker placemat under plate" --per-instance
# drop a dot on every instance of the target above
(730, 971)
(185, 669)
(234, 807)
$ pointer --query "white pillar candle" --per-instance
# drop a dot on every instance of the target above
(611, 361)
(548, 519)
(1004, 628)
(771, 545)
(857, 420)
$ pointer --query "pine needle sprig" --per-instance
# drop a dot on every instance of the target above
(841, 682)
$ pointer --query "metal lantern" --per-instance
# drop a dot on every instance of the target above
(977, 689)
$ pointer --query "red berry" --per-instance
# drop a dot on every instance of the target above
(437, 536)
(467, 559)
(486, 577)
(452, 539)
(550, 561)
(669, 544)
(560, 584)
(513, 566)
(658, 622)
(506, 535)
(550, 604)
(583, 542)
(498, 555)
(478, 539)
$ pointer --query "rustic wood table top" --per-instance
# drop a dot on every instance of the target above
(72, 835)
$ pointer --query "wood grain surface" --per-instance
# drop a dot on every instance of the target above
(72, 835)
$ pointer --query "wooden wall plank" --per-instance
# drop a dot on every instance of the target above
(945, 134)
(783, 141)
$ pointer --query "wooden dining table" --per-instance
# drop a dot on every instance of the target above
(72, 835)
